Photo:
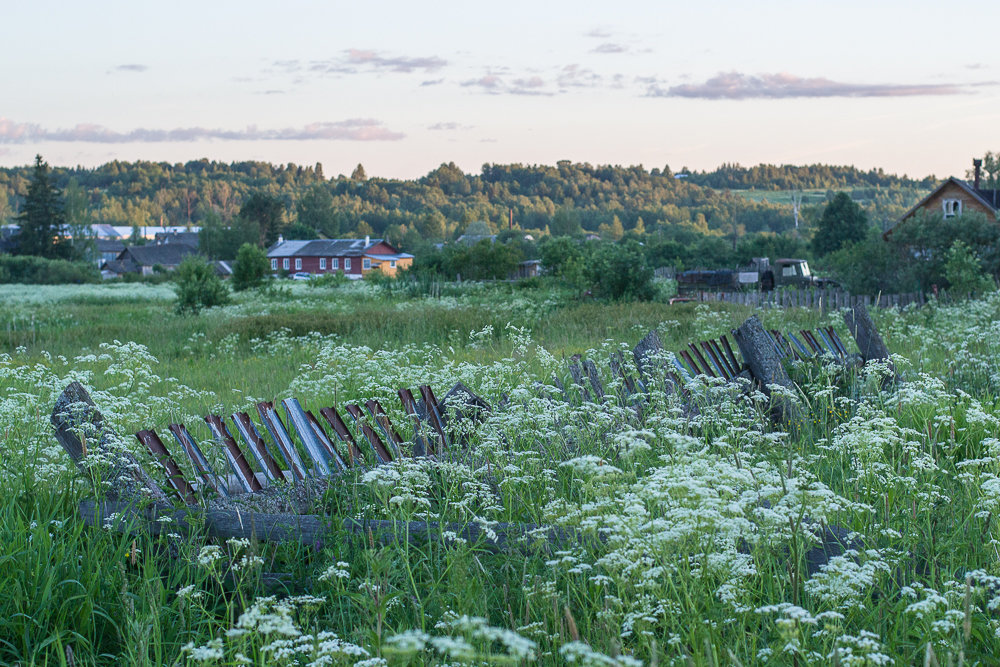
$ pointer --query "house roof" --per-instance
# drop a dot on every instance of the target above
(988, 198)
(398, 255)
(326, 248)
(108, 245)
(167, 254)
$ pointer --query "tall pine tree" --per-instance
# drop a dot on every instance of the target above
(43, 218)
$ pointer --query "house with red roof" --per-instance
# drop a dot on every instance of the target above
(353, 258)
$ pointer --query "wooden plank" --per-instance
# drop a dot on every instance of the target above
(866, 335)
(381, 418)
(709, 369)
(381, 451)
(590, 369)
(237, 461)
(257, 446)
(286, 446)
(307, 436)
(335, 456)
(729, 352)
(716, 362)
(175, 478)
(618, 370)
(80, 428)
(422, 445)
(434, 415)
(695, 371)
(336, 422)
(577, 374)
(202, 467)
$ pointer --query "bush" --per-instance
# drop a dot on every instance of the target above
(251, 268)
(35, 270)
(619, 271)
(198, 287)
(964, 271)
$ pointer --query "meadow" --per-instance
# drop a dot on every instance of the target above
(693, 525)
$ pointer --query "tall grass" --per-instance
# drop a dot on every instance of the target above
(695, 526)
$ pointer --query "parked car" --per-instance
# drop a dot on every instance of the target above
(301, 275)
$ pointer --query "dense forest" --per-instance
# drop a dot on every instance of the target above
(565, 198)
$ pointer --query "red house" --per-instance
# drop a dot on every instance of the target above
(351, 257)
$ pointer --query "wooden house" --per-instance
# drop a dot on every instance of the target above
(955, 197)
(353, 258)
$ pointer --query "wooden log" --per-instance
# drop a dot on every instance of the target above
(307, 529)
(595, 380)
(577, 374)
(81, 431)
(646, 348)
(762, 359)
(870, 343)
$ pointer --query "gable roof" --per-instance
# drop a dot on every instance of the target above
(167, 254)
(988, 198)
(326, 248)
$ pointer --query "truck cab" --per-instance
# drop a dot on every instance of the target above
(793, 273)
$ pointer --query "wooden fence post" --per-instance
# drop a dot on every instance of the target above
(870, 343)
(761, 357)
(81, 431)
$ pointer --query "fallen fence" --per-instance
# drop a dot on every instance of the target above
(302, 450)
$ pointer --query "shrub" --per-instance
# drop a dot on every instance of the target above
(31, 269)
(619, 271)
(198, 286)
(964, 271)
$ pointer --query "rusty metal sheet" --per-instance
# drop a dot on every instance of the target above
(237, 461)
(327, 442)
(689, 360)
(272, 422)
(434, 415)
(811, 341)
(336, 422)
(381, 452)
(257, 446)
(314, 448)
(803, 352)
(422, 445)
(201, 465)
(836, 341)
(709, 370)
(174, 475)
(381, 419)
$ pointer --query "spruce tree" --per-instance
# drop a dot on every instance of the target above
(43, 217)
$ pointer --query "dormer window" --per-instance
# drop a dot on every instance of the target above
(952, 207)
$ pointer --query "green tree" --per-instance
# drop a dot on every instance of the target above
(43, 217)
(198, 286)
(843, 222)
(268, 212)
(315, 209)
(359, 174)
(619, 271)
(251, 268)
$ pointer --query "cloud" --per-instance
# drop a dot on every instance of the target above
(450, 125)
(574, 76)
(131, 67)
(352, 129)
(739, 86)
(357, 61)
(490, 83)
(598, 33)
(431, 82)
(609, 47)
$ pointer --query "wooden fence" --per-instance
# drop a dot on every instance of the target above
(822, 299)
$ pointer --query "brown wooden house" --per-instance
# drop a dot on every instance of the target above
(353, 258)
(955, 197)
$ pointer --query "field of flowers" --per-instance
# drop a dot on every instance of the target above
(691, 529)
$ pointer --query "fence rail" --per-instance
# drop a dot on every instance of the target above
(822, 299)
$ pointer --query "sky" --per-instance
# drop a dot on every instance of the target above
(402, 87)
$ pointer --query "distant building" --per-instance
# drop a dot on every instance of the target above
(143, 259)
(353, 258)
(529, 268)
(955, 197)
(186, 237)
(106, 249)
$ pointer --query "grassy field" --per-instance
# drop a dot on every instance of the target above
(705, 517)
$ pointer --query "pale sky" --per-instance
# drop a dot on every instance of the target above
(912, 87)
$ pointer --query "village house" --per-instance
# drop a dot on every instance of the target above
(144, 259)
(353, 258)
(955, 197)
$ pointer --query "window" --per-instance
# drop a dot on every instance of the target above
(788, 271)
(298, 263)
(334, 263)
(952, 207)
(366, 264)
(347, 264)
(322, 263)
(274, 264)
(284, 264)
(392, 264)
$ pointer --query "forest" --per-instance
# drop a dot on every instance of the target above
(565, 198)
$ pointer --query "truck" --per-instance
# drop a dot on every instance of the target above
(759, 275)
